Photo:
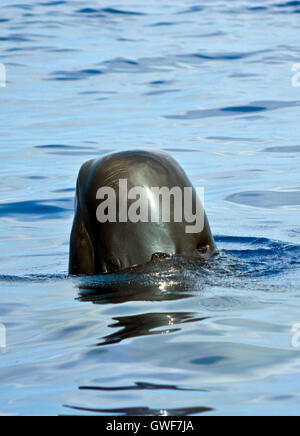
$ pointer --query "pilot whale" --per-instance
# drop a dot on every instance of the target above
(133, 207)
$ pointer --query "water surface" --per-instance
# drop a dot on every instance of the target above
(212, 85)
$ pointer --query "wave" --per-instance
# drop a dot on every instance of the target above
(249, 108)
(109, 11)
(38, 209)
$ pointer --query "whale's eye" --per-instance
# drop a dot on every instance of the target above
(113, 264)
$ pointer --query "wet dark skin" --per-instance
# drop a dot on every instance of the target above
(97, 248)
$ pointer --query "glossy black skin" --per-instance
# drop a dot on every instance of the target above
(99, 248)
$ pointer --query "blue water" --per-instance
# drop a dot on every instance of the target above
(211, 83)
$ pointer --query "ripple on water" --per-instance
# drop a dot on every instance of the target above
(74, 150)
(37, 209)
(266, 199)
(144, 411)
(115, 11)
(153, 64)
(75, 75)
(250, 108)
(109, 11)
(53, 3)
(139, 386)
(192, 10)
(289, 4)
(286, 149)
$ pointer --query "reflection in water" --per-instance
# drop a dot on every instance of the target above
(204, 88)
(166, 280)
(238, 265)
(146, 324)
(170, 278)
(104, 295)
(139, 386)
(145, 411)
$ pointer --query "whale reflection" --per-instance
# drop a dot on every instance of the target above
(139, 386)
(145, 411)
(147, 324)
(172, 278)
